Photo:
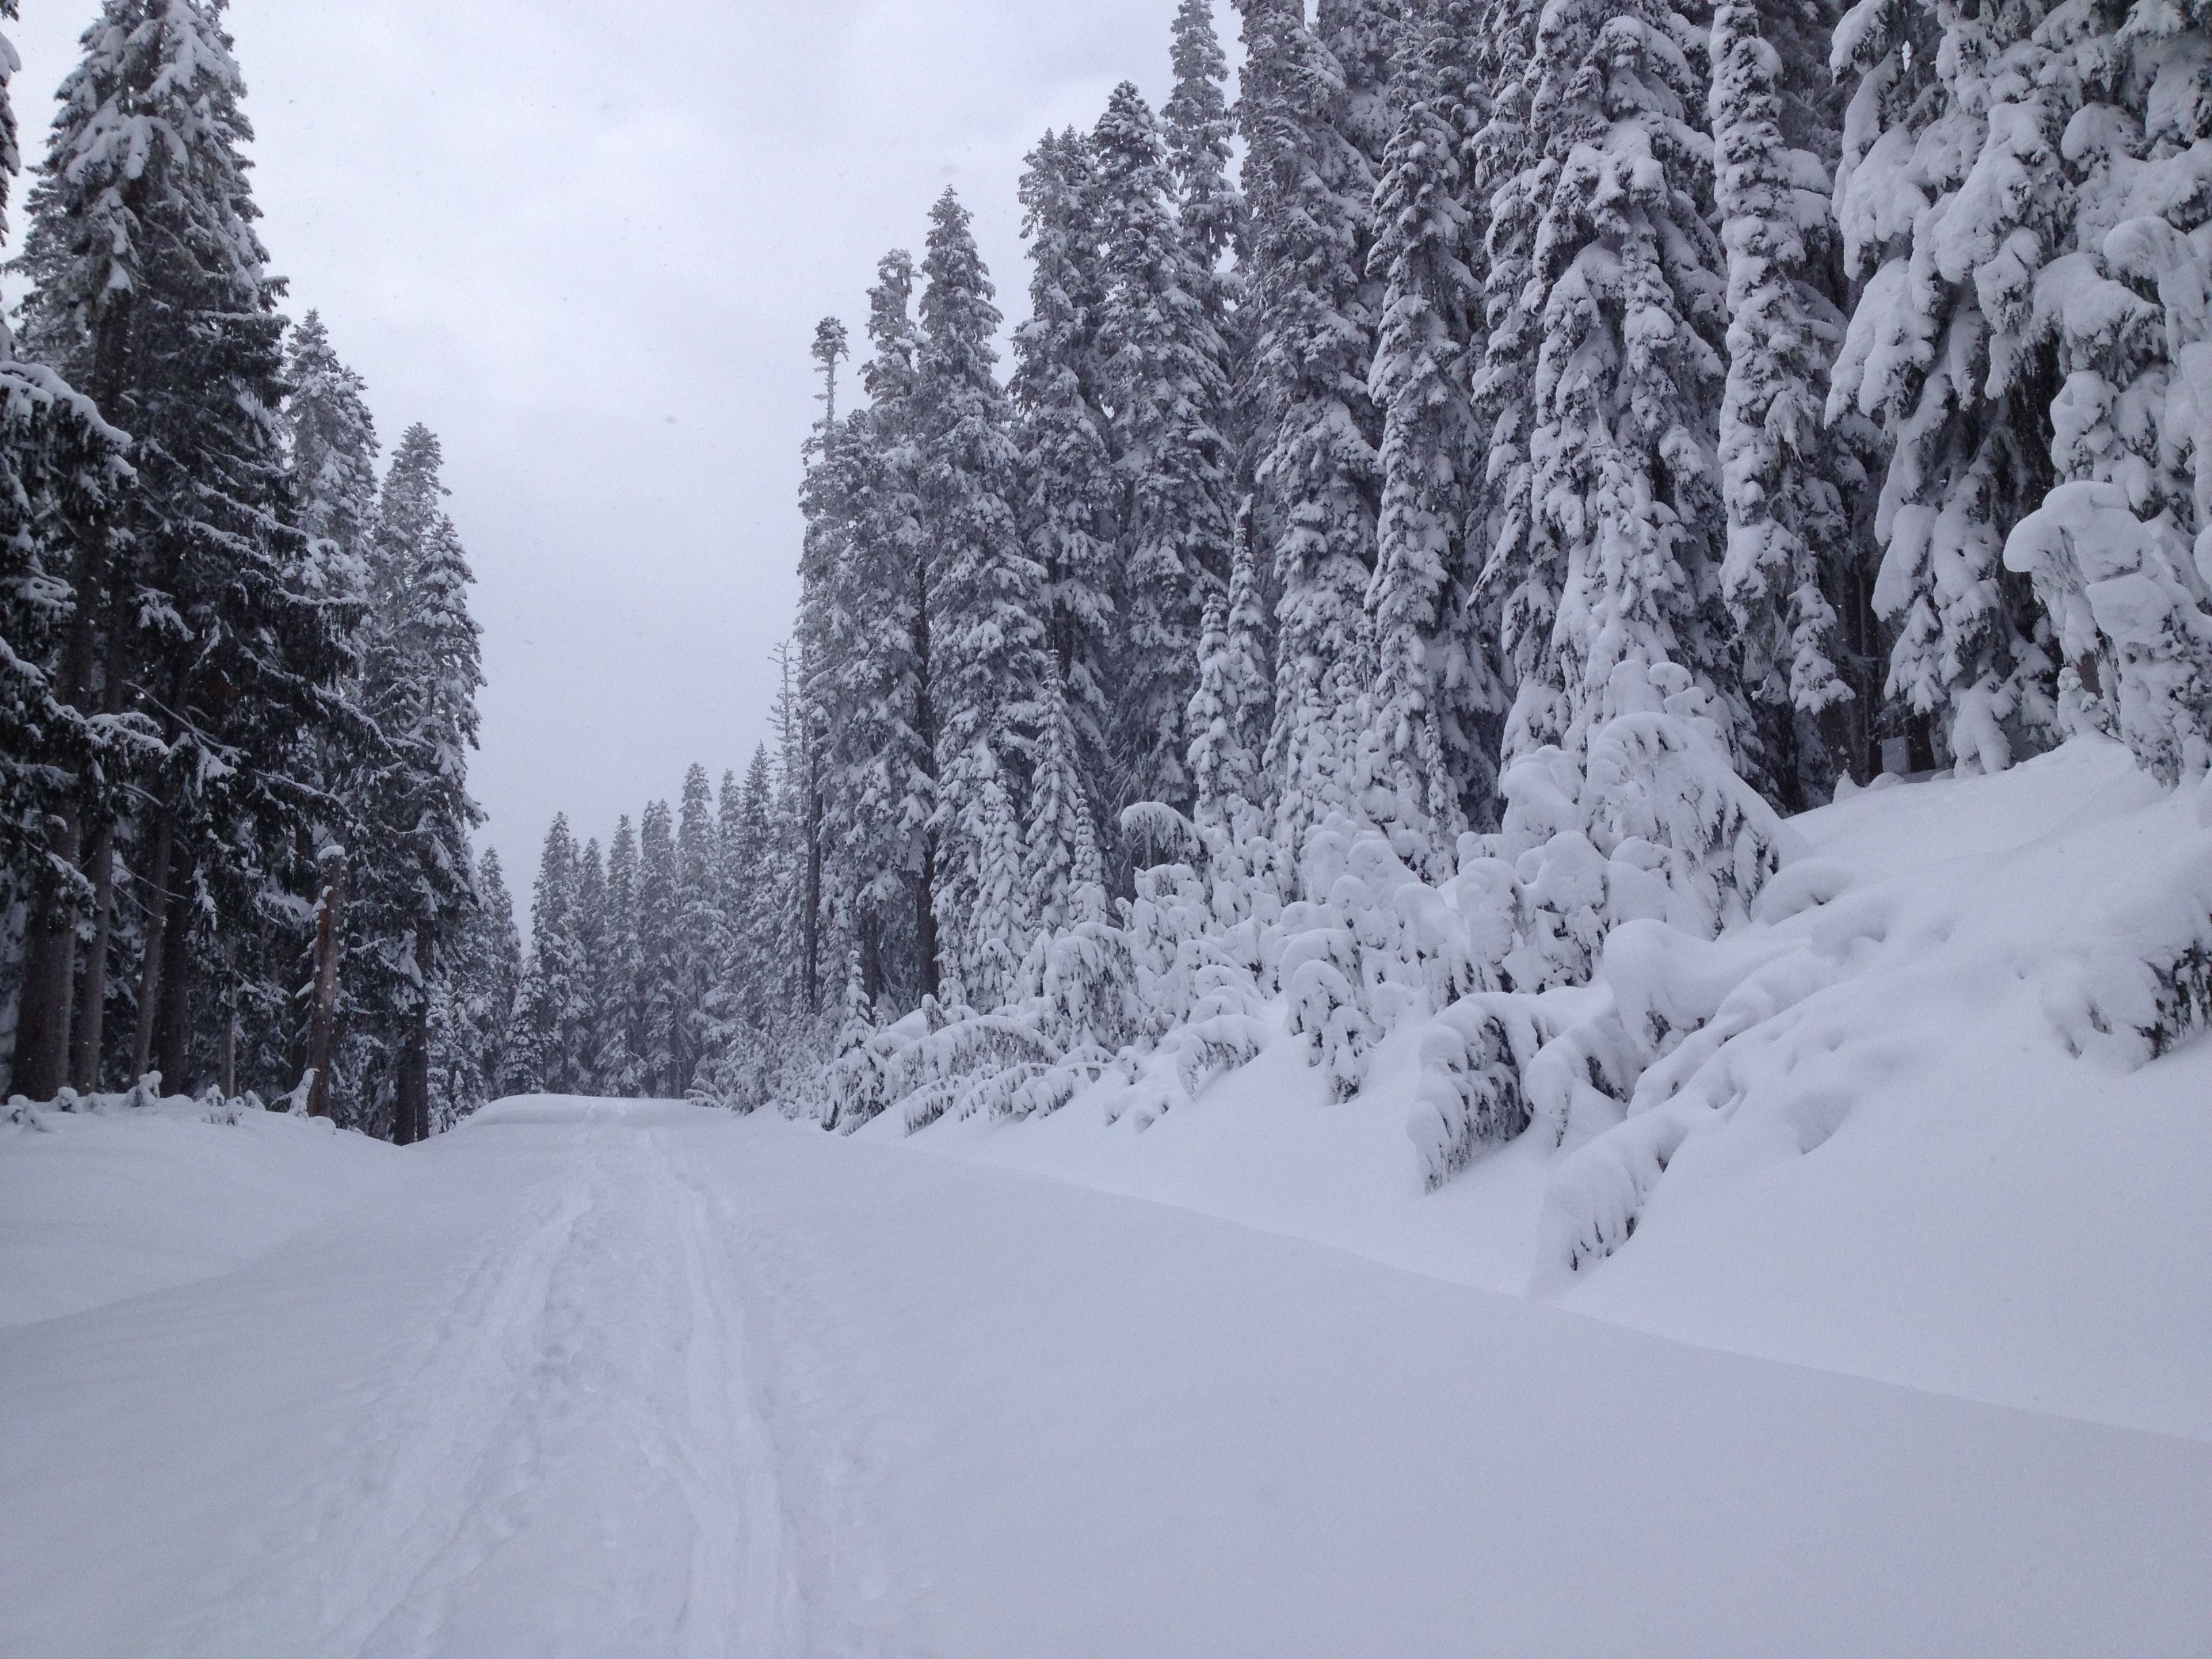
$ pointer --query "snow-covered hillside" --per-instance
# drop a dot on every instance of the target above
(597, 1377)
(1905, 1171)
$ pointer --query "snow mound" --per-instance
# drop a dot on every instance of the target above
(96, 1207)
(1932, 1111)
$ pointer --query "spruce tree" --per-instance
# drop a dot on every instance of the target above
(1164, 370)
(1309, 186)
(61, 469)
(1943, 351)
(660, 916)
(420, 671)
(1435, 693)
(1066, 503)
(591, 928)
(616, 1011)
(148, 293)
(984, 602)
(1791, 542)
(701, 945)
(1626, 378)
(549, 1006)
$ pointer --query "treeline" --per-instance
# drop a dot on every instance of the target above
(237, 669)
(1577, 431)
(665, 966)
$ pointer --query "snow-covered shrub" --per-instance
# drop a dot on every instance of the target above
(1469, 1095)
(2146, 986)
(2128, 607)
(211, 1105)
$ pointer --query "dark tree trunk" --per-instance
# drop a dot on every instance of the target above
(812, 925)
(156, 886)
(411, 1116)
(925, 920)
(89, 1040)
(42, 1027)
(322, 1011)
(173, 1029)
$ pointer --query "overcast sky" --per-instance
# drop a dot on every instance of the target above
(587, 243)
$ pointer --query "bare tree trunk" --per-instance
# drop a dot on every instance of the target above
(925, 920)
(42, 1027)
(226, 1048)
(322, 1016)
(158, 907)
(89, 1039)
(172, 1030)
(411, 1117)
(813, 922)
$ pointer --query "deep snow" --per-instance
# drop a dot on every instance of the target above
(586, 1377)
(600, 1381)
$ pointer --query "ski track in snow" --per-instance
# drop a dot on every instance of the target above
(605, 1380)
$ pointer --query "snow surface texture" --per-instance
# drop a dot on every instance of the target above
(603, 1380)
(1903, 1124)
(588, 1377)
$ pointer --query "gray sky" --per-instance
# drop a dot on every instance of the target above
(587, 243)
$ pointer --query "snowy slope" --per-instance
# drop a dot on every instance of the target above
(1988, 1215)
(606, 1380)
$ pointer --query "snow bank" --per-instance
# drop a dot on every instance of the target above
(99, 1205)
(1932, 1112)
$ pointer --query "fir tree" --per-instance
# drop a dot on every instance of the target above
(1436, 692)
(1943, 200)
(1066, 491)
(1164, 370)
(660, 915)
(983, 603)
(61, 468)
(617, 1014)
(1627, 376)
(419, 674)
(1309, 186)
(549, 1006)
(702, 942)
(1782, 474)
(148, 293)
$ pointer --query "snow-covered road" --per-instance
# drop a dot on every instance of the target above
(586, 1379)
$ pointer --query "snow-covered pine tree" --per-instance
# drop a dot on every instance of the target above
(1309, 187)
(550, 1006)
(985, 604)
(2124, 299)
(61, 466)
(1517, 592)
(659, 918)
(1948, 202)
(1436, 697)
(148, 293)
(1062, 877)
(702, 930)
(1067, 493)
(826, 504)
(421, 665)
(876, 687)
(475, 1006)
(591, 928)
(1163, 369)
(1791, 539)
(616, 1011)
(1199, 136)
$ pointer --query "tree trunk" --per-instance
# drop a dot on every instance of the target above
(812, 926)
(925, 920)
(322, 1012)
(89, 1038)
(158, 907)
(42, 1027)
(172, 1030)
(411, 1116)
(226, 1048)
